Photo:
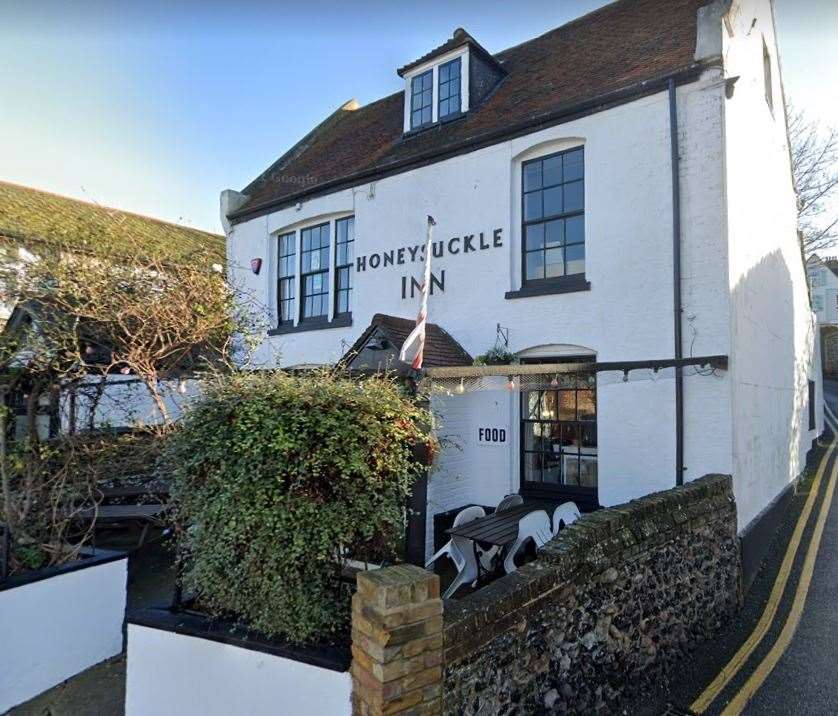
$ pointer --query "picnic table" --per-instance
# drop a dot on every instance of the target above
(497, 529)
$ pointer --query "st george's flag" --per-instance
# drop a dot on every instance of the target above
(414, 345)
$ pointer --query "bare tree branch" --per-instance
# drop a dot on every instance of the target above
(814, 153)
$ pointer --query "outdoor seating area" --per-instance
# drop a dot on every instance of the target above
(484, 546)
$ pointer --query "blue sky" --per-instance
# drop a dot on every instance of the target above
(155, 107)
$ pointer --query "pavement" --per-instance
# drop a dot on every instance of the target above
(804, 679)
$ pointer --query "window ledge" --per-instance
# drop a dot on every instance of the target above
(342, 321)
(567, 284)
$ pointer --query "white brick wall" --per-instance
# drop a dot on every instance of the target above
(627, 314)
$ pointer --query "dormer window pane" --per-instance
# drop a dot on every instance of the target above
(421, 99)
(449, 88)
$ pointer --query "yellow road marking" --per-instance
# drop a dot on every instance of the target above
(738, 660)
(765, 667)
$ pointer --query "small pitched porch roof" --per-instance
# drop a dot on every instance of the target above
(440, 348)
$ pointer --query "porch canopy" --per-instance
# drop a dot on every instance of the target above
(523, 376)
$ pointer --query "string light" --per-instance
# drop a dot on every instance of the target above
(461, 388)
(555, 382)
(511, 384)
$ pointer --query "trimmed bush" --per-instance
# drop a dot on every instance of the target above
(274, 475)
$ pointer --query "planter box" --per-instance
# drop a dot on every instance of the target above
(186, 664)
(57, 622)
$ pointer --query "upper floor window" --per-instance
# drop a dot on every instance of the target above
(766, 71)
(815, 278)
(421, 99)
(286, 277)
(449, 88)
(344, 253)
(817, 303)
(314, 273)
(553, 213)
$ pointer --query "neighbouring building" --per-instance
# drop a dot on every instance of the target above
(616, 194)
(32, 221)
(823, 289)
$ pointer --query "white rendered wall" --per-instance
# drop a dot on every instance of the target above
(56, 628)
(171, 673)
(124, 401)
(772, 328)
(468, 471)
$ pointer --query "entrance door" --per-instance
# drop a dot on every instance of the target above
(559, 439)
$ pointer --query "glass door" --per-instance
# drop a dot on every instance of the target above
(559, 439)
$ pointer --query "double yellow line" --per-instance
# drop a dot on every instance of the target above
(764, 668)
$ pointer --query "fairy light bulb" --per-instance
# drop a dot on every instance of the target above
(555, 382)
(511, 384)
(461, 388)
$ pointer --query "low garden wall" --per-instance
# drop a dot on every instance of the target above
(605, 611)
(58, 621)
(188, 664)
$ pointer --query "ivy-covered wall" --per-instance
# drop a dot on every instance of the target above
(607, 609)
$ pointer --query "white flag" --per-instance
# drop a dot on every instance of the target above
(414, 345)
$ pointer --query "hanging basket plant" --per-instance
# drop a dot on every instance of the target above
(498, 355)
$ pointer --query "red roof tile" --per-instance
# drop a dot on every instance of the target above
(608, 50)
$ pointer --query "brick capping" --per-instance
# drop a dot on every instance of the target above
(605, 611)
(397, 642)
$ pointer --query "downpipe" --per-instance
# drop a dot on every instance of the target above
(676, 283)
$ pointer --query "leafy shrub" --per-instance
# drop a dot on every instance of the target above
(274, 475)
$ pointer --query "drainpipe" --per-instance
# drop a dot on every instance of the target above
(676, 285)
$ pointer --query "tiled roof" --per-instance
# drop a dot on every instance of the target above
(30, 215)
(458, 39)
(613, 49)
(440, 348)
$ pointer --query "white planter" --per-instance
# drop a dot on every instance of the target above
(180, 664)
(57, 622)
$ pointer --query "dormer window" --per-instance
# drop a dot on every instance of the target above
(449, 88)
(447, 82)
(422, 99)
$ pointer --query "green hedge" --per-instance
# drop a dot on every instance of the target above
(273, 473)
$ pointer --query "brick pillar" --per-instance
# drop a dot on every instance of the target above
(396, 642)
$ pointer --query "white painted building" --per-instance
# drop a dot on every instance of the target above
(823, 288)
(566, 213)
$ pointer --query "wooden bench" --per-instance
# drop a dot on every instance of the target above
(147, 515)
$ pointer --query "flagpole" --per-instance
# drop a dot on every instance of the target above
(414, 345)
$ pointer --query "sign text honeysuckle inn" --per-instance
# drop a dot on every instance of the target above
(410, 286)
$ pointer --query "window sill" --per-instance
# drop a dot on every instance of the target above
(342, 321)
(434, 125)
(566, 284)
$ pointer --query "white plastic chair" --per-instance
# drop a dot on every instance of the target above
(461, 551)
(487, 557)
(509, 502)
(565, 514)
(534, 526)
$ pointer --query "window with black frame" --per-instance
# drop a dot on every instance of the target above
(314, 273)
(344, 252)
(559, 435)
(553, 212)
(421, 99)
(285, 278)
(449, 88)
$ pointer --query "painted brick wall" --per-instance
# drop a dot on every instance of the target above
(627, 314)
(773, 330)
(468, 472)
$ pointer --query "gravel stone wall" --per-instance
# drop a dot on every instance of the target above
(607, 609)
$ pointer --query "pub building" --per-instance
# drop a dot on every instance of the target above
(615, 224)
